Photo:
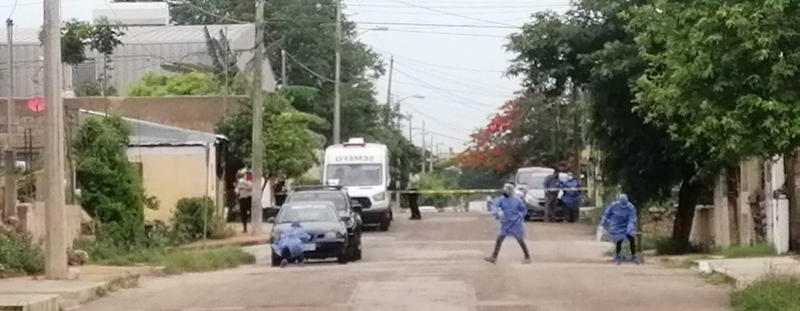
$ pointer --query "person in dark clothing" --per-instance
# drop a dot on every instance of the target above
(280, 193)
(413, 185)
(551, 196)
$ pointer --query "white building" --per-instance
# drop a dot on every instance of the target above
(149, 42)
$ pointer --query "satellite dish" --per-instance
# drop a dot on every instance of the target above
(36, 104)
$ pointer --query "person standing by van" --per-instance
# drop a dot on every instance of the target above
(244, 190)
(551, 186)
(413, 196)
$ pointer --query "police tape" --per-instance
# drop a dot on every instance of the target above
(465, 191)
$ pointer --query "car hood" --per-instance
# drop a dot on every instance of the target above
(314, 227)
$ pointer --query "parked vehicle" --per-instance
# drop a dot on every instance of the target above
(321, 221)
(345, 206)
(363, 169)
(534, 198)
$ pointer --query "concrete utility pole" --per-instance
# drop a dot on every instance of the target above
(56, 260)
(430, 168)
(337, 96)
(284, 81)
(258, 131)
(10, 159)
(410, 127)
(388, 112)
(424, 153)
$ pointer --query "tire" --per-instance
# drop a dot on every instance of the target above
(357, 254)
(342, 259)
(384, 225)
(276, 260)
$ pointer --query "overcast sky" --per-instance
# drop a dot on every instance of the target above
(458, 70)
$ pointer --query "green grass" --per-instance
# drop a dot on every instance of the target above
(746, 251)
(19, 254)
(206, 260)
(774, 293)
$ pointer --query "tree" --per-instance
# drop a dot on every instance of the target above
(592, 47)
(722, 76)
(303, 29)
(531, 130)
(153, 84)
(110, 188)
(289, 147)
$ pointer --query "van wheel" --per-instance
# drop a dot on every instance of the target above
(384, 225)
(342, 259)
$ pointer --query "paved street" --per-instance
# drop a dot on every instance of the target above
(436, 265)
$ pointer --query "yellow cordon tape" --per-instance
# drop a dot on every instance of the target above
(470, 191)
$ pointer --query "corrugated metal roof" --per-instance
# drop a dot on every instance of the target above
(149, 133)
(147, 34)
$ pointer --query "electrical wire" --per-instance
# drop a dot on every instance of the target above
(14, 9)
(445, 33)
(457, 80)
(453, 14)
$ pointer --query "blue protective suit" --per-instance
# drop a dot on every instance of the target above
(292, 238)
(510, 211)
(620, 219)
(571, 198)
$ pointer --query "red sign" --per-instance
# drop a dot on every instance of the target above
(36, 104)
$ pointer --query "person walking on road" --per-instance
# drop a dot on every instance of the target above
(619, 220)
(244, 190)
(551, 186)
(510, 211)
(413, 196)
(290, 244)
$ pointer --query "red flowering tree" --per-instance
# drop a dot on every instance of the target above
(530, 130)
(492, 147)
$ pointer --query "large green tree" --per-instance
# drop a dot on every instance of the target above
(591, 47)
(306, 29)
(722, 76)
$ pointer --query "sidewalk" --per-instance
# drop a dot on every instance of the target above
(36, 294)
(746, 270)
(241, 239)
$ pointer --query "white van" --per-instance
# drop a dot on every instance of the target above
(363, 169)
(523, 177)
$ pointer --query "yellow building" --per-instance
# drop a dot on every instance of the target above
(173, 163)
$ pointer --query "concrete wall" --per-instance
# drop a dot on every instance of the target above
(198, 113)
(32, 216)
(171, 173)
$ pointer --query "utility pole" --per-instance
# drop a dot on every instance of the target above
(56, 260)
(410, 128)
(430, 169)
(424, 152)
(258, 131)
(283, 69)
(337, 96)
(10, 159)
(388, 108)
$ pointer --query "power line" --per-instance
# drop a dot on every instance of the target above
(446, 33)
(466, 102)
(441, 25)
(453, 14)
(445, 67)
(468, 83)
(438, 121)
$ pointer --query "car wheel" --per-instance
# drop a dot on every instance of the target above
(342, 259)
(385, 225)
(276, 260)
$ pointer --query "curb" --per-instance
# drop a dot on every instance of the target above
(242, 243)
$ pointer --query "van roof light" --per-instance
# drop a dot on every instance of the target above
(355, 142)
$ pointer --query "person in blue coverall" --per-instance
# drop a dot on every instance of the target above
(290, 244)
(620, 221)
(572, 196)
(510, 211)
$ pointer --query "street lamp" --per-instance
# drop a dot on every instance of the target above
(337, 97)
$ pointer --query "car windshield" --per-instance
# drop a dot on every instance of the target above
(329, 196)
(523, 177)
(536, 181)
(359, 175)
(307, 213)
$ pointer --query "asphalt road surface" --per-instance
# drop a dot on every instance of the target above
(436, 264)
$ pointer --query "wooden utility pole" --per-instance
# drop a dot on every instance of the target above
(258, 131)
(56, 257)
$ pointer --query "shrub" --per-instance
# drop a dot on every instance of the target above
(198, 217)
(669, 246)
(773, 293)
(18, 253)
(436, 182)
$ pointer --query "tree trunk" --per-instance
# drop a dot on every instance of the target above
(790, 161)
(687, 201)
